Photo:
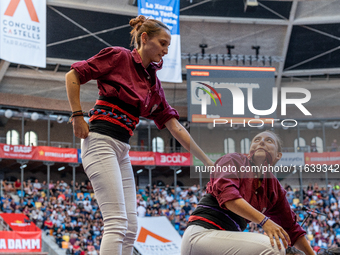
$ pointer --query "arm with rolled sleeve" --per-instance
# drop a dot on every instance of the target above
(98, 65)
(226, 191)
(224, 186)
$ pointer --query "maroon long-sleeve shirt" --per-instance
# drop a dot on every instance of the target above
(120, 74)
(269, 198)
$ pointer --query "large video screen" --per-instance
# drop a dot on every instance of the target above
(224, 92)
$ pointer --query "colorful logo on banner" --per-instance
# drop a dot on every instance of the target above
(23, 31)
(156, 236)
(173, 159)
(144, 233)
(13, 5)
(166, 11)
(203, 96)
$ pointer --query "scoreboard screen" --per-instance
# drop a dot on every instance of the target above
(231, 92)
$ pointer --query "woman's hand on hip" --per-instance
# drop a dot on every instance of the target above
(273, 230)
(80, 127)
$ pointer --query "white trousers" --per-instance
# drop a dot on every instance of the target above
(107, 164)
(201, 241)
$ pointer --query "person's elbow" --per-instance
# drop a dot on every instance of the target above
(171, 124)
(72, 75)
(68, 74)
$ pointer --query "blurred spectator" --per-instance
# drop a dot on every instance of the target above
(51, 187)
(76, 250)
(89, 187)
(310, 190)
(88, 206)
(82, 187)
(334, 146)
(178, 189)
(17, 184)
(313, 148)
(62, 186)
(91, 250)
(28, 188)
(58, 236)
(187, 208)
(37, 184)
(8, 187)
(141, 210)
(290, 195)
(194, 188)
(44, 187)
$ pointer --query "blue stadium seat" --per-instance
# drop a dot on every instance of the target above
(87, 195)
(19, 193)
(337, 231)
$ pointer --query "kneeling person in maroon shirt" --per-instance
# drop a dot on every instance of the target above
(240, 195)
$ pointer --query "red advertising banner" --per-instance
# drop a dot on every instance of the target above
(70, 155)
(46, 153)
(20, 242)
(19, 222)
(173, 159)
(42, 153)
(328, 158)
(17, 151)
(142, 158)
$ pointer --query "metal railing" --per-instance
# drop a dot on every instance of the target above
(167, 149)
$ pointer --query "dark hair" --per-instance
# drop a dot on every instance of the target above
(140, 25)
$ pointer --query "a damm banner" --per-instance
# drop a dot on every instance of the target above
(166, 11)
(20, 242)
(23, 32)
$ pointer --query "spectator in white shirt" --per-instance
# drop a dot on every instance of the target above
(169, 198)
(141, 210)
(88, 206)
(37, 185)
(193, 199)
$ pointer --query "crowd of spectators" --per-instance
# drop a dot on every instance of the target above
(323, 230)
(75, 222)
(77, 225)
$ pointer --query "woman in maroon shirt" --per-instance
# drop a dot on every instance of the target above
(241, 190)
(128, 88)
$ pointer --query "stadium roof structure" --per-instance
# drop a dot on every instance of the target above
(299, 38)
